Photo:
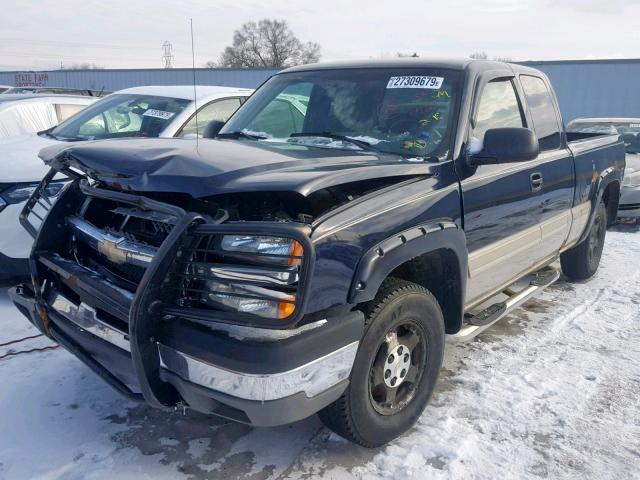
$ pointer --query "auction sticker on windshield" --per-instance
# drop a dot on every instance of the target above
(415, 82)
(158, 114)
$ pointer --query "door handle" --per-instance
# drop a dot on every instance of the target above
(536, 181)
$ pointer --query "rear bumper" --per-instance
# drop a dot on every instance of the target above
(243, 375)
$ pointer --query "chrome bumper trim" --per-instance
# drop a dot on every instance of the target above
(242, 332)
(312, 378)
(86, 318)
(116, 248)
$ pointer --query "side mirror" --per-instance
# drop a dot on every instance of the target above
(506, 145)
(212, 129)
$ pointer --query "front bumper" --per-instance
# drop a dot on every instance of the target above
(153, 348)
(15, 245)
(241, 373)
(13, 270)
(629, 206)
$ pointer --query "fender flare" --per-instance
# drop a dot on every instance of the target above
(380, 260)
(604, 180)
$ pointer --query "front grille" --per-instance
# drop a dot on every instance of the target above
(118, 240)
(629, 206)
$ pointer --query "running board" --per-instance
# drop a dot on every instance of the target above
(490, 315)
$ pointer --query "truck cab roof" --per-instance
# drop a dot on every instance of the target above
(448, 63)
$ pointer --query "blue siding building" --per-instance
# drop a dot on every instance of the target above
(112, 80)
(594, 88)
(585, 88)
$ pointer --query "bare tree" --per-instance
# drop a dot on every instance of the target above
(484, 56)
(210, 64)
(479, 55)
(268, 43)
(407, 55)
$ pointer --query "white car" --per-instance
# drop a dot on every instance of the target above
(155, 111)
(32, 113)
(629, 129)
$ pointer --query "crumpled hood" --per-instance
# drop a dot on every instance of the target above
(225, 166)
(19, 160)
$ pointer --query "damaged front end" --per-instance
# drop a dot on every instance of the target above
(175, 305)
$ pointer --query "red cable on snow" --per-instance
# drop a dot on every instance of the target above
(43, 349)
(20, 340)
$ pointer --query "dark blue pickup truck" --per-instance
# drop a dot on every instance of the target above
(311, 254)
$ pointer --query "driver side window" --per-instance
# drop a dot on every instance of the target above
(498, 108)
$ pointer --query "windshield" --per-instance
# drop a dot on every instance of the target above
(406, 111)
(630, 131)
(121, 115)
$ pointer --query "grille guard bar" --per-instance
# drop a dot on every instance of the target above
(39, 198)
(147, 306)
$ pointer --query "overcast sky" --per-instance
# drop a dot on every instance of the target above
(129, 34)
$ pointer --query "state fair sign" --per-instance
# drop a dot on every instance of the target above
(31, 79)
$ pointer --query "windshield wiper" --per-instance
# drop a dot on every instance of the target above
(240, 134)
(335, 136)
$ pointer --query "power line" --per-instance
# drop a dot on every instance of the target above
(48, 43)
(167, 54)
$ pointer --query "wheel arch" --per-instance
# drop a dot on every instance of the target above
(607, 190)
(611, 198)
(433, 255)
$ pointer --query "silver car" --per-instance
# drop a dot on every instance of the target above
(629, 129)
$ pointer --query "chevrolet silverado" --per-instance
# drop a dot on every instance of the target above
(312, 254)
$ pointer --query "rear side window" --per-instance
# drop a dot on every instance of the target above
(543, 113)
(498, 108)
(220, 110)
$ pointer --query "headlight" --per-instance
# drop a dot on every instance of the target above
(631, 178)
(260, 301)
(21, 192)
(281, 250)
(250, 274)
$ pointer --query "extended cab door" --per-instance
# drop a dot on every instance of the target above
(555, 166)
(501, 207)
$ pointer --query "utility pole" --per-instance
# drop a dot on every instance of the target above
(167, 54)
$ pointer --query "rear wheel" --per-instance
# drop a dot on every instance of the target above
(582, 261)
(396, 367)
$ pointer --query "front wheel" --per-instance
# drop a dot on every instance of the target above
(396, 367)
(582, 261)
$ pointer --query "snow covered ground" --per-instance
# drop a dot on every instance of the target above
(553, 391)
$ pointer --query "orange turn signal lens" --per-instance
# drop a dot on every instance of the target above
(285, 310)
(296, 253)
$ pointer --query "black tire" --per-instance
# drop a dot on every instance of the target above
(581, 262)
(358, 415)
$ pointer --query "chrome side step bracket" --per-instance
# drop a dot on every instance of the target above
(484, 319)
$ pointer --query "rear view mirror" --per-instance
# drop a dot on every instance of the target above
(212, 129)
(506, 145)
